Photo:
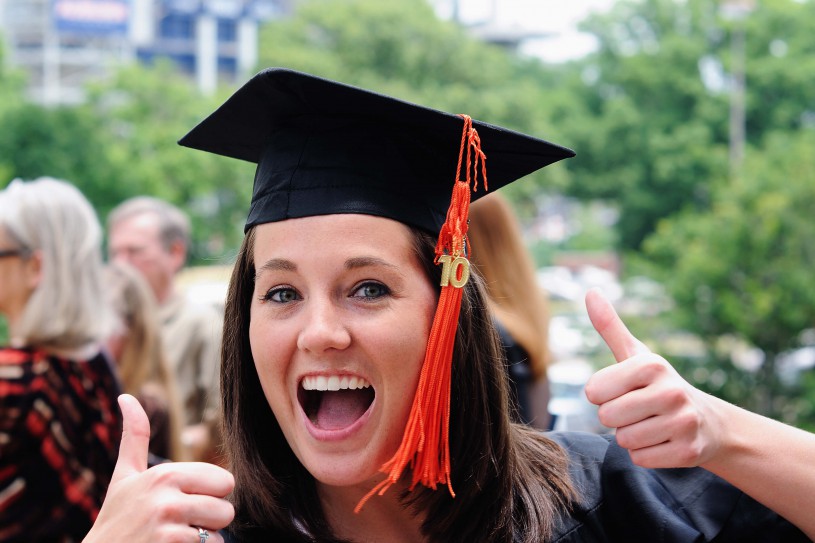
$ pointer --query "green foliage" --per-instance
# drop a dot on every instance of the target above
(63, 142)
(143, 112)
(404, 50)
(12, 85)
(780, 67)
(651, 133)
(122, 143)
(744, 268)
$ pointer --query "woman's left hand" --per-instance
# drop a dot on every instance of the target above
(660, 418)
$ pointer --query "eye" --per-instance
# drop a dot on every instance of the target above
(371, 291)
(281, 295)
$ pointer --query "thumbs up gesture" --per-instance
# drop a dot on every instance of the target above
(168, 502)
(660, 418)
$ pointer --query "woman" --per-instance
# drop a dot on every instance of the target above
(136, 346)
(58, 423)
(345, 344)
(518, 305)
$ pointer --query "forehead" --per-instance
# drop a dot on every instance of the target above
(140, 225)
(340, 235)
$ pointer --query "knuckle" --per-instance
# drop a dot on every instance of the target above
(690, 455)
(690, 421)
(605, 416)
(638, 458)
(653, 368)
(624, 439)
(591, 392)
(674, 396)
(168, 509)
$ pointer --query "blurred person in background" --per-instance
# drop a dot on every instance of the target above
(143, 367)
(518, 305)
(59, 422)
(153, 236)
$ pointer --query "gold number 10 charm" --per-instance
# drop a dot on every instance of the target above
(449, 270)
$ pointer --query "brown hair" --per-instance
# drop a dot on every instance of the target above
(512, 483)
(142, 364)
(501, 258)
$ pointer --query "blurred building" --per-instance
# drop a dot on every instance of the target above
(62, 44)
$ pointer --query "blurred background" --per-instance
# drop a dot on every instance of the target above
(691, 201)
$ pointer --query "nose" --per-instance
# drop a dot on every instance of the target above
(323, 328)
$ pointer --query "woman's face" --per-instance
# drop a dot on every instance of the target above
(18, 277)
(340, 318)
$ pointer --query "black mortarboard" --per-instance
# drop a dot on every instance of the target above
(323, 147)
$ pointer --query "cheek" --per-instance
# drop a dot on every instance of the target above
(271, 353)
(263, 351)
(405, 350)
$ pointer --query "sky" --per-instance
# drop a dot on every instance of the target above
(555, 18)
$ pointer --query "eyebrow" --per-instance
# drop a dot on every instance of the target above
(366, 261)
(281, 264)
(278, 264)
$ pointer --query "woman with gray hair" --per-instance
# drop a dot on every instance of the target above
(59, 423)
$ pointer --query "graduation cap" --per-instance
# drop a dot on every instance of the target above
(323, 148)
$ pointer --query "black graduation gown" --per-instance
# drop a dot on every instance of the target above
(624, 503)
(519, 373)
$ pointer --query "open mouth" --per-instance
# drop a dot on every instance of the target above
(334, 402)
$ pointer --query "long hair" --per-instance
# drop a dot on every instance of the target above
(503, 261)
(142, 362)
(68, 309)
(512, 483)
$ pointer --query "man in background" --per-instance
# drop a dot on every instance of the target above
(153, 236)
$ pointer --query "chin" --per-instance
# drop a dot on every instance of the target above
(331, 474)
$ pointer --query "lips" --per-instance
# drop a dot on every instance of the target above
(335, 402)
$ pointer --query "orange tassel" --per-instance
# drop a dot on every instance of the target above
(426, 444)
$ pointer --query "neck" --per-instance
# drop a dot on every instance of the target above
(164, 294)
(383, 518)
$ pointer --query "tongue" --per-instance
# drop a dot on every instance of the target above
(340, 409)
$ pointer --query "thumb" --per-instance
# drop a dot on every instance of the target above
(611, 328)
(135, 439)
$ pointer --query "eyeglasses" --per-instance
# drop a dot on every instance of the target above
(14, 252)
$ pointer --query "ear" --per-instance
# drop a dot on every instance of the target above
(33, 269)
(178, 255)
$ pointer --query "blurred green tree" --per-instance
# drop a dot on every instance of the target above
(744, 269)
(651, 128)
(63, 142)
(143, 112)
(404, 50)
(12, 85)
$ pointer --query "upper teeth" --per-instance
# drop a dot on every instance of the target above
(334, 382)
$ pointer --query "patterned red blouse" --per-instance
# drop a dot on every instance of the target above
(59, 432)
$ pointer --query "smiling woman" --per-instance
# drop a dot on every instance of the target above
(364, 390)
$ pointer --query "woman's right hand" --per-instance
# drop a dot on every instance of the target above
(164, 504)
